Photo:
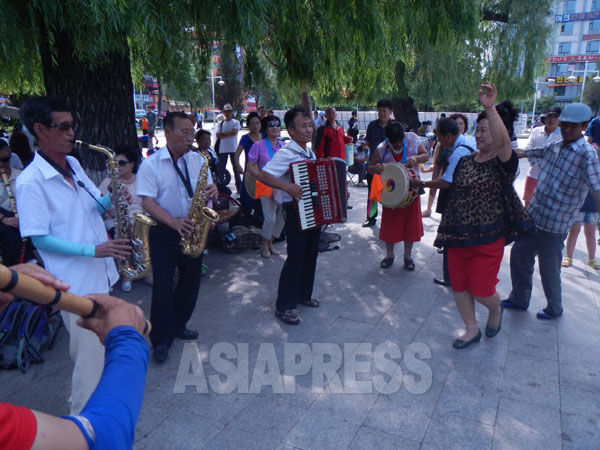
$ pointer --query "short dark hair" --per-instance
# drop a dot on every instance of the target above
(384, 103)
(200, 133)
(39, 110)
(394, 131)
(269, 118)
(169, 120)
(507, 112)
(4, 145)
(354, 112)
(252, 115)
(291, 114)
(445, 126)
(461, 116)
(130, 153)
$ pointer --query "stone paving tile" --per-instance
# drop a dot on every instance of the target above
(261, 425)
(540, 341)
(450, 432)
(368, 439)
(580, 417)
(531, 380)
(181, 430)
(522, 424)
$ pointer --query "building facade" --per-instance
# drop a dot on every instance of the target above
(574, 48)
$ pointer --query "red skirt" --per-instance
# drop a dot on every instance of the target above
(402, 224)
(475, 269)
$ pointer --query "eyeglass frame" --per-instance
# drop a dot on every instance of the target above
(63, 126)
(191, 134)
(274, 124)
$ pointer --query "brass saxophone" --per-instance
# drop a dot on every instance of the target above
(137, 264)
(193, 244)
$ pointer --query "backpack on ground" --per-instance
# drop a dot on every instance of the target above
(24, 330)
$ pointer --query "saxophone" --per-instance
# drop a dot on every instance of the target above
(137, 264)
(194, 243)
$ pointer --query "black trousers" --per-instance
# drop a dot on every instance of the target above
(223, 166)
(298, 273)
(11, 246)
(172, 306)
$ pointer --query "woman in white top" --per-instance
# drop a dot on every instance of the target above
(126, 159)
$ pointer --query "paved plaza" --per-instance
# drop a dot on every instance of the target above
(534, 386)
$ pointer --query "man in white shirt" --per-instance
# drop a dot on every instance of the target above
(166, 183)
(227, 132)
(59, 208)
(540, 137)
(298, 273)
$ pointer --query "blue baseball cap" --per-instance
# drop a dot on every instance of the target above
(575, 113)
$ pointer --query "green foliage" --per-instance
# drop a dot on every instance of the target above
(591, 95)
(541, 105)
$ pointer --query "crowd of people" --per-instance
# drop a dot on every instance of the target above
(67, 217)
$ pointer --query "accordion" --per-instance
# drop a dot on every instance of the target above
(320, 203)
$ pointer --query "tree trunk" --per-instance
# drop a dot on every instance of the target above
(305, 100)
(100, 98)
(160, 99)
(403, 106)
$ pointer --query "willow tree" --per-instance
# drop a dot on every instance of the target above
(85, 52)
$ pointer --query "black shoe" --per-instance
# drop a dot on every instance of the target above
(459, 344)
(369, 222)
(441, 282)
(349, 206)
(187, 335)
(507, 304)
(491, 332)
(161, 352)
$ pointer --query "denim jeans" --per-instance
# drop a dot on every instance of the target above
(548, 248)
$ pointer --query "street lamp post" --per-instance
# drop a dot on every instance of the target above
(585, 71)
(535, 94)
(212, 84)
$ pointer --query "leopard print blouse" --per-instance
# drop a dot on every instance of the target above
(482, 204)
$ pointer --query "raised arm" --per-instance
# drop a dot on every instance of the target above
(487, 98)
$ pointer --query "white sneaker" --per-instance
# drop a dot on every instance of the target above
(126, 286)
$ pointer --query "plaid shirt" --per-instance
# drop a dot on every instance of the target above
(567, 174)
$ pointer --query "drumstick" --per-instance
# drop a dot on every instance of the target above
(27, 287)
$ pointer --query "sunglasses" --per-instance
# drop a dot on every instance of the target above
(122, 163)
(5, 160)
(63, 126)
(273, 125)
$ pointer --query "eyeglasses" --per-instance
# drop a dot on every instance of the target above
(122, 163)
(186, 134)
(5, 160)
(64, 126)
(273, 124)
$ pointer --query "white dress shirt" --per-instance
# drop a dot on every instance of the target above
(538, 138)
(48, 204)
(279, 166)
(158, 179)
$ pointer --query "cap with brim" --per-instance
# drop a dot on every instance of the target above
(227, 107)
(575, 113)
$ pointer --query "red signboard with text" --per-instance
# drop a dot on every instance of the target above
(571, 58)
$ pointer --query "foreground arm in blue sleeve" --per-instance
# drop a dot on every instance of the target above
(51, 243)
(114, 407)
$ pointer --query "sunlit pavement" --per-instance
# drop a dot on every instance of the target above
(536, 385)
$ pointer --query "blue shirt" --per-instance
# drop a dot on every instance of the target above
(594, 130)
(567, 174)
(458, 151)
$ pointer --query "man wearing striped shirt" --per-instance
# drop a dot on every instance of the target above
(569, 169)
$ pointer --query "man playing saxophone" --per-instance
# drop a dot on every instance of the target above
(59, 208)
(166, 182)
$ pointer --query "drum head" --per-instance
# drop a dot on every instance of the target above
(250, 184)
(394, 179)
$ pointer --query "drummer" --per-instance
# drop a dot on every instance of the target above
(260, 153)
(399, 224)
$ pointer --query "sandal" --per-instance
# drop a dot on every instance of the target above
(386, 263)
(409, 264)
(265, 253)
(274, 252)
(567, 262)
(594, 264)
(288, 317)
(311, 303)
